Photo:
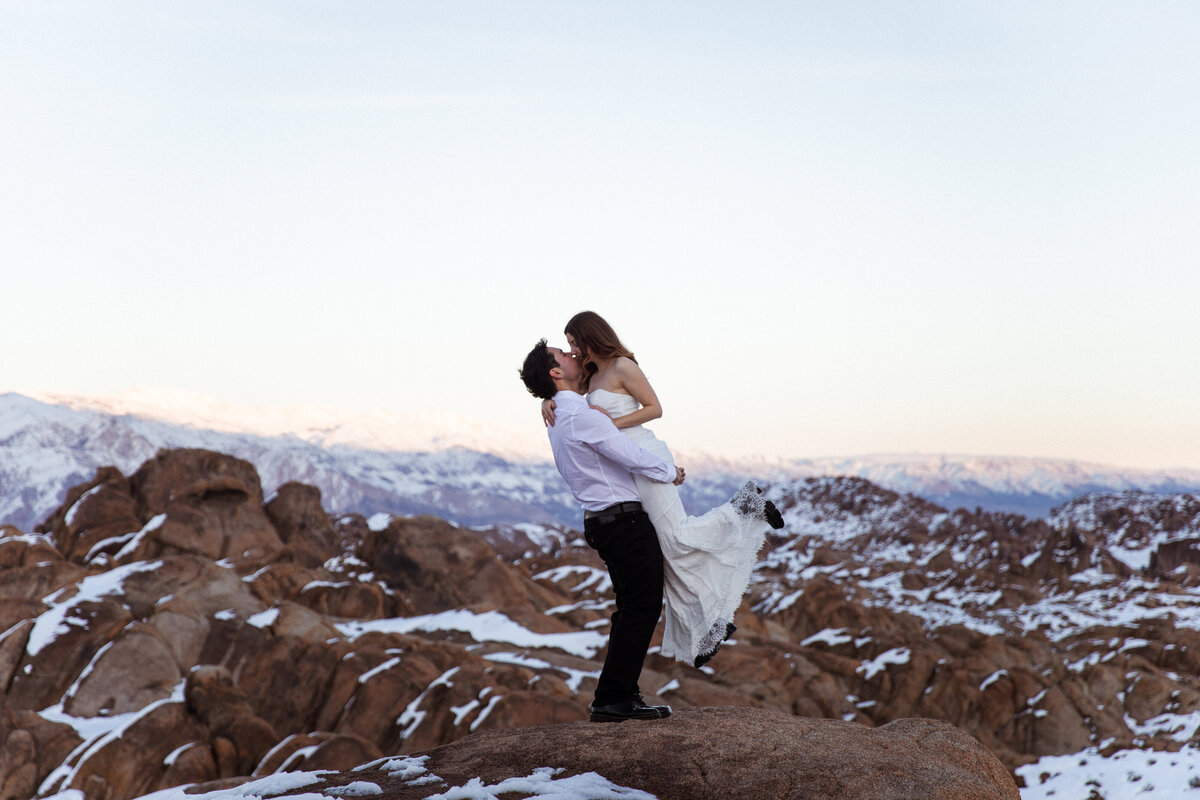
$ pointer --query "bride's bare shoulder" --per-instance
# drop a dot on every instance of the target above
(626, 366)
(631, 376)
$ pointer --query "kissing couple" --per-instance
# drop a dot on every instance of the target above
(595, 399)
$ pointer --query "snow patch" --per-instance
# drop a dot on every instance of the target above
(263, 619)
(897, 655)
(354, 789)
(412, 716)
(488, 626)
(1124, 775)
(379, 522)
(574, 676)
(542, 784)
(990, 679)
(830, 636)
(58, 619)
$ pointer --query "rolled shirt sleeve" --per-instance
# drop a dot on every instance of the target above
(598, 431)
(597, 461)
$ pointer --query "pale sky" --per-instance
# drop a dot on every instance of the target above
(825, 229)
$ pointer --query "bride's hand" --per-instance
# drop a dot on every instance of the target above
(548, 412)
(602, 411)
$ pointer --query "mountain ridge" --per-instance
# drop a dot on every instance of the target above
(470, 471)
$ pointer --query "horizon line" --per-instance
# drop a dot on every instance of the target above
(881, 458)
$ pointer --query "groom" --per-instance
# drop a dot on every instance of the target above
(596, 460)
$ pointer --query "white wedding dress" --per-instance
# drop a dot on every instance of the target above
(707, 560)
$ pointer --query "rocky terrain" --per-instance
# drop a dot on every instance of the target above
(175, 626)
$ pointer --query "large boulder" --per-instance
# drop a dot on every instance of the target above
(1168, 557)
(741, 752)
(137, 669)
(223, 708)
(204, 503)
(19, 549)
(181, 501)
(702, 754)
(296, 512)
(130, 765)
(30, 747)
(175, 474)
(96, 516)
(57, 652)
(425, 559)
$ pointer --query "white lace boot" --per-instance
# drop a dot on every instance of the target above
(749, 502)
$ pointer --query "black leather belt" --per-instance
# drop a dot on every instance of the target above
(609, 514)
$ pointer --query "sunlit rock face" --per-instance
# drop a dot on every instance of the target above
(695, 753)
(177, 627)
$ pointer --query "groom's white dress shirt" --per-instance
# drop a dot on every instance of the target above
(595, 458)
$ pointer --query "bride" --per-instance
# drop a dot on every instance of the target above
(707, 559)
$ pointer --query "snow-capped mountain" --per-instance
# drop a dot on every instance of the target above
(413, 432)
(470, 471)
(362, 464)
(1029, 486)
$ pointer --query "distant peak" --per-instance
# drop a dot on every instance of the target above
(414, 431)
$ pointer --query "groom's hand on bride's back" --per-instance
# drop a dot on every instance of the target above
(680, 474)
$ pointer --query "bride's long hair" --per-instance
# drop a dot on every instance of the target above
(596, 338)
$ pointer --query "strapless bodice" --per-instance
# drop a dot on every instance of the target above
(617, 405)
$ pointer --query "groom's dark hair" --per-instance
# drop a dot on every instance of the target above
(536, 371)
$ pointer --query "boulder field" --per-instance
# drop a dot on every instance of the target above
(176, 627)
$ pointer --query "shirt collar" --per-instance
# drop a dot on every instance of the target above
(568, 396)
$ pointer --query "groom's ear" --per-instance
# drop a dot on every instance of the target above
(556, 372)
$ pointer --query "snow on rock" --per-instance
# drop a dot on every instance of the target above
(59, 620)
(379, 522)
(413, 715)
(574, 677)
(95, 733)
(1123, 775)
(409, 769)
(354, 789)
(830, 636)
(897, 655)
(990, 679)
(280, 785)
(488, 626)
(593, 578)
(542, 783)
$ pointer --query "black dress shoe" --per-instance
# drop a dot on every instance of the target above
(774, 518)
(626, 709)
(639, 702)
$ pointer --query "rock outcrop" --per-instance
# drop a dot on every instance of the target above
(700, 754)
(739, 752)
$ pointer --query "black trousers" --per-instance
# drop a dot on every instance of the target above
(630, 550)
